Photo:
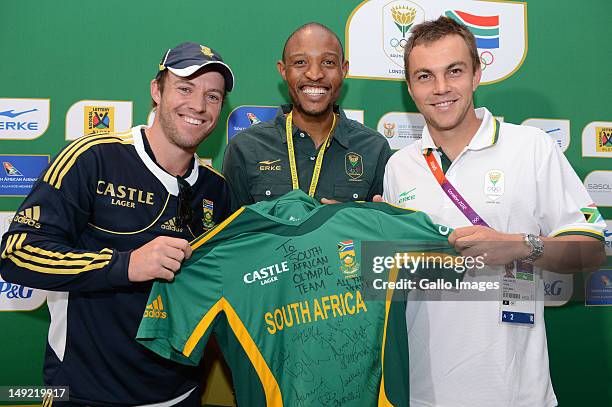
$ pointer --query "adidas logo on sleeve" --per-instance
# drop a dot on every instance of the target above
(29, 216)
(155, 309)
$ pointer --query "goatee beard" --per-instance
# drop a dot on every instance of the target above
(311, 113)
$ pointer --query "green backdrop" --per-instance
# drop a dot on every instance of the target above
(73, 50)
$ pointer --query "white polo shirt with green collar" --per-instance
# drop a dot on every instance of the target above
(518, 180)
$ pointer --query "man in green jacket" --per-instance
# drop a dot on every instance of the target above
(310, 144)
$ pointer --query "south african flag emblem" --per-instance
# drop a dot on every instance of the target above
(591, 214)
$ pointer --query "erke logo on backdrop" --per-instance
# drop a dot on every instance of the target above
(377, 32)
(558, 129)
(23, 119)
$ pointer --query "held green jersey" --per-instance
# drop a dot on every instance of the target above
(281, 284)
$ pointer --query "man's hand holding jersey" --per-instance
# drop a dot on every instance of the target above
(560, 254)
(497, 248)
(160, 258)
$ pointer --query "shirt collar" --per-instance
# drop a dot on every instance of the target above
(169, 181)
(151, 154)
(486, 136)
(339, 133)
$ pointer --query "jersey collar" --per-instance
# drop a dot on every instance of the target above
(486, 136)
(166, 179)
(297, 198)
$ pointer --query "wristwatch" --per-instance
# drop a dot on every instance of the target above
(536, 245)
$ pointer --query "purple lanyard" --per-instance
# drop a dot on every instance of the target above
(451, 191)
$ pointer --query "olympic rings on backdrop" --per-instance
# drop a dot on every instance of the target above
(399, 45)
(486, 59)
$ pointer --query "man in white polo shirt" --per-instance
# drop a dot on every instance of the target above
(513, 198)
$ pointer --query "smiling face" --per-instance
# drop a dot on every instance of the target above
(441, 81)
(188, 108)
(314, 70)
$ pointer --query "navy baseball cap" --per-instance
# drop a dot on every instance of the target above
(188, 57)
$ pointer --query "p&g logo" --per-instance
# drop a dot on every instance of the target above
(10, 290)
(553, 288)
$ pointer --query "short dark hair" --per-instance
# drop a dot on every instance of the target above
(161, 82)
(313, 24)
(431, 31)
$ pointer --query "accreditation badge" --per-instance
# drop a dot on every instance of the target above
(518, 302)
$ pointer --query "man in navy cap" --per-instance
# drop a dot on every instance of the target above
(111, 214)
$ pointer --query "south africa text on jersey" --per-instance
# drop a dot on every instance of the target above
(316, 309)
